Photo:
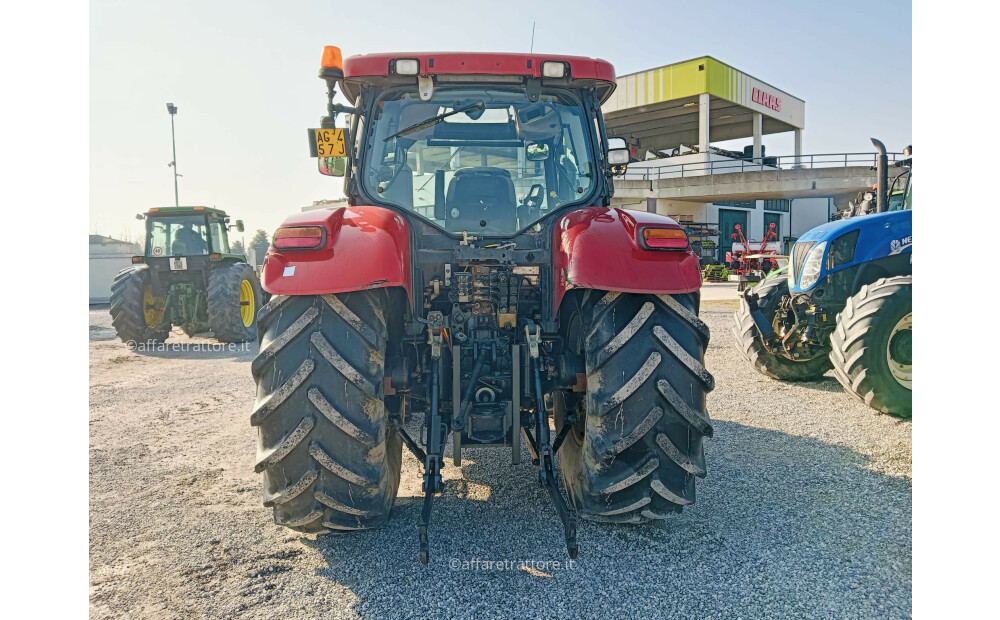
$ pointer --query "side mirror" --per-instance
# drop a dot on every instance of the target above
(536, 151)
(239, 225)
(618, 153)
(332, 166)
(139, 216)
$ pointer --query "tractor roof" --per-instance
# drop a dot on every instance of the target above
(480, 63)
(185, 211)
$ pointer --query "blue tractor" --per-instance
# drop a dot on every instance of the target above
(847, 303)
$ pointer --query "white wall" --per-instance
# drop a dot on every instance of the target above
(809, 213)
(103, 270)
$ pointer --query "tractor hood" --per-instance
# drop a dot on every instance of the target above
(879, 235)
(872, 237)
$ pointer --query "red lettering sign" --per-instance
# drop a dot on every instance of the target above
(766, 99)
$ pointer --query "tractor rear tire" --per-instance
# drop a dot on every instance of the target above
(873, 343)
(131, 292)
(769, 294)
(234, 300)
(330, 459)
(636, 454)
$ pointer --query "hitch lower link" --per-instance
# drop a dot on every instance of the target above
(437, 430)
(541, 449)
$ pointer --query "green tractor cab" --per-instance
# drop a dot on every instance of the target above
(186, 277)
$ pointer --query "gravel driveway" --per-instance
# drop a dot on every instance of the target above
(805, 512)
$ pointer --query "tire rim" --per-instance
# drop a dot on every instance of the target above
(247, 305)
(899, 351)
(151, 308)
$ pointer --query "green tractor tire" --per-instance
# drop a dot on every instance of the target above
(234, 299)
(134, 311)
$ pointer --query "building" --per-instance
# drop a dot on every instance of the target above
(107, 257)
(671, 115)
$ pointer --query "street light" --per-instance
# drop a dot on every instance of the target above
(172, 109)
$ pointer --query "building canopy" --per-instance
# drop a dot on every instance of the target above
(659, 109)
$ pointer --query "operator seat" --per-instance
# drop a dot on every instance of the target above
(478, 195)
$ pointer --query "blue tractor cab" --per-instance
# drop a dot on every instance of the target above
(847, 301)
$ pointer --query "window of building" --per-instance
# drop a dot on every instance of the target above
(777, 205)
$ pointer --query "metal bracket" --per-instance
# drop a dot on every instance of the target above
(435, 321)
(425, 84)
(532, 333)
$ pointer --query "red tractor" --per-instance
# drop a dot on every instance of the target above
(477, 290)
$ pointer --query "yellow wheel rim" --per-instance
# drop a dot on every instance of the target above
(152, 307)
(247, 305)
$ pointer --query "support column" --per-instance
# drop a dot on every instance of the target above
(758, 130)
(798, 147)
(703, 117)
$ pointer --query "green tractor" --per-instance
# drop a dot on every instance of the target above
(187, 277)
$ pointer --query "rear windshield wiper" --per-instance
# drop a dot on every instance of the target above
(435, 120)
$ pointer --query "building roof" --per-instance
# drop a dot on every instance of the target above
(658, 108)
(102, 240)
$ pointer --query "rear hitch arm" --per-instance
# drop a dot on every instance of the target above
(437, 430)
(542, 449)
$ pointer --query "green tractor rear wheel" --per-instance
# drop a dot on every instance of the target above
(234, 299)
(135, 313)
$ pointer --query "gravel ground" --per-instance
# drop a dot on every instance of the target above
(805, 512)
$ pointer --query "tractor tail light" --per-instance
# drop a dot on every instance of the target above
(137, 259)
(299, 238)
(664, 239)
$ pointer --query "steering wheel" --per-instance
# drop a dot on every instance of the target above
(531, 203)
(533, 199)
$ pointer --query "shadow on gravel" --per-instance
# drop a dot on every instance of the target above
(784, 526)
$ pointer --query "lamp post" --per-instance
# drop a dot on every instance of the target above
(172, 109)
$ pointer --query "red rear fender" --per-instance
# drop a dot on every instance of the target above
(364, 247)
(598, 248)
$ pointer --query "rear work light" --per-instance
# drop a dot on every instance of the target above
(406, 66)
(553, 69)
(299, 238)
(664, 239)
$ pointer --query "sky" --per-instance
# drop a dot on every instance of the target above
(244, 77)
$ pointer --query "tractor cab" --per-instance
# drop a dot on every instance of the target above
(471, 153)
(186, 231)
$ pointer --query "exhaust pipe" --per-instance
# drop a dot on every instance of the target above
(882, 174)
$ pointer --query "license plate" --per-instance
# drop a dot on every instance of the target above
(328, 143)
(178, 264)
